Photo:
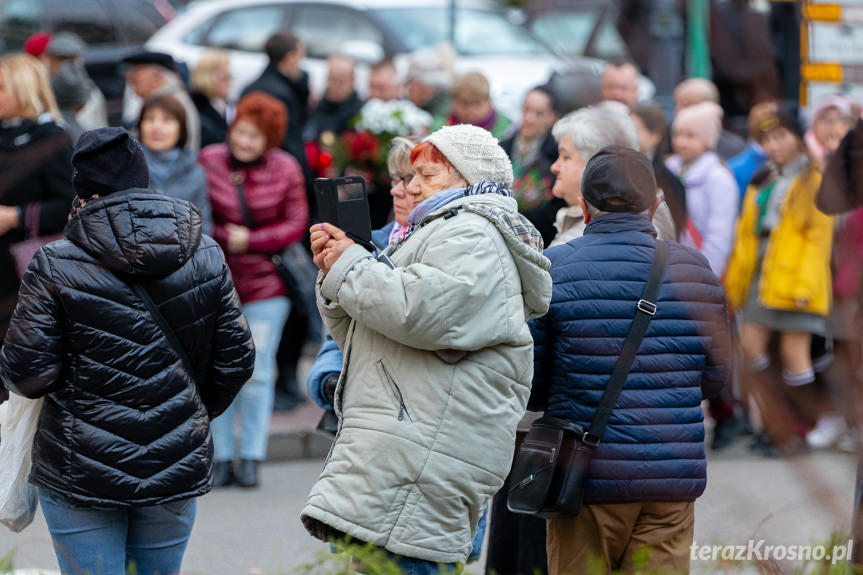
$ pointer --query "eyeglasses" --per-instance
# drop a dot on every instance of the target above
(396, 179)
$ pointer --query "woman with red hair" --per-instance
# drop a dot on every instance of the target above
(438, 357)
(259, 205)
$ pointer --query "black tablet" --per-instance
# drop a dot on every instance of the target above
(344, 203)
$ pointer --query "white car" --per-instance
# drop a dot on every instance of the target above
(369, 30)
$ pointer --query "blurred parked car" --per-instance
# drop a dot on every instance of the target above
(368, 30)
(111, 29)
(585, 34)
(578, 29)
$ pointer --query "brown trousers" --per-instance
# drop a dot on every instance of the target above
(608, 537)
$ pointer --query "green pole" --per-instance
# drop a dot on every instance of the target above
(698, 31)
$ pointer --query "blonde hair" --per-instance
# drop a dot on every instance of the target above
(27, 79)
(400, 154)
(203, 75)
(472, 86)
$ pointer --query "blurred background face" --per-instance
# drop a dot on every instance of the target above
(830, 127)
(383, 85)
(647, 140)
(53, 62)
(144, 79)
(246, 141)
(222, 84)
(471, 111)
(9, 106)
(403, 200)
(687, 145)
(620, 84)
(537, 115)
(781, 146)
(686, 96)
(160, 131)
(340, 80)
(568, 169)
(420, 93)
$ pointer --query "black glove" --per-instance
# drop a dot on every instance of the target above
(329, 390)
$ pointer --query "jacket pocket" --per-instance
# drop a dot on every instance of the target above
(393, 390)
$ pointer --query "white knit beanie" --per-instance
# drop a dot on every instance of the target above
(474, 152)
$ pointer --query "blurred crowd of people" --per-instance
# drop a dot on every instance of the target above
(723, 194)
(747, 203)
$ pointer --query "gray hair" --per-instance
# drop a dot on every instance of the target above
(399, 154)
(593, 128)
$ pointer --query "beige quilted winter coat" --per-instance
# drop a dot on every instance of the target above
(437, 374)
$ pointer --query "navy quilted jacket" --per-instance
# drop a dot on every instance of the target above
(653, 447)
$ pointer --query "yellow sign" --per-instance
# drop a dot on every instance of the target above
(822, 72)
(823, 12)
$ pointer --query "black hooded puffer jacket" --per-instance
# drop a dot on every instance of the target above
(123, 422)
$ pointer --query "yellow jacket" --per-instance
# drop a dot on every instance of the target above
(795, 273)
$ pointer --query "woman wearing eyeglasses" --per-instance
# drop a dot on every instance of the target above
(324, 374)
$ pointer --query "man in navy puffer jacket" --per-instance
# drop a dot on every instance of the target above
(650, 465)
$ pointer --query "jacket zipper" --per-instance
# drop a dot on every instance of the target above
(551, 453)
(403, 410)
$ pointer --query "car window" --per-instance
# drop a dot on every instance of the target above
(18, 20)
(566, 32)
(324, 29)
(246, 28)
(608, 44)
(478, 32)
(86, 18)
(195, 36)
(138, 20)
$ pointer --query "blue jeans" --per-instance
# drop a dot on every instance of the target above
(109, 541)
(255, 401)
(411, 566)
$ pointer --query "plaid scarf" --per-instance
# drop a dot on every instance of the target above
(78, 204)
(443, 198)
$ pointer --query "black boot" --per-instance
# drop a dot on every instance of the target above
(223, 473)
(247, 474)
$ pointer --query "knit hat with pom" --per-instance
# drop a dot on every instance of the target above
(474, 152)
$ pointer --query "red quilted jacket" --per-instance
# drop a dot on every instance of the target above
(276, 195)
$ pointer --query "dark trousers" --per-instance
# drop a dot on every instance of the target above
(516, 542)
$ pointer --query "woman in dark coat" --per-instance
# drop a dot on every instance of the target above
(211, 85)
(35, 167)
(123, 445)
(532, 150)
(174, 170)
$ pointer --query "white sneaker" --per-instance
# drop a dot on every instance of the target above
(827, 431)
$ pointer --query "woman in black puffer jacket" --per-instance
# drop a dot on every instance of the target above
(123, 444)
(35, 166)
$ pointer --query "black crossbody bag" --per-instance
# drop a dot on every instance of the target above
(163, 324)
(550, 470)
(294, 264)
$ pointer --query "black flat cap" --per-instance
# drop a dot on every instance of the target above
(152, 58)
(619, 179)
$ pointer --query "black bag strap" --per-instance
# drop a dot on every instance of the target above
(237, 178)
(166, 328)
(645, 311)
